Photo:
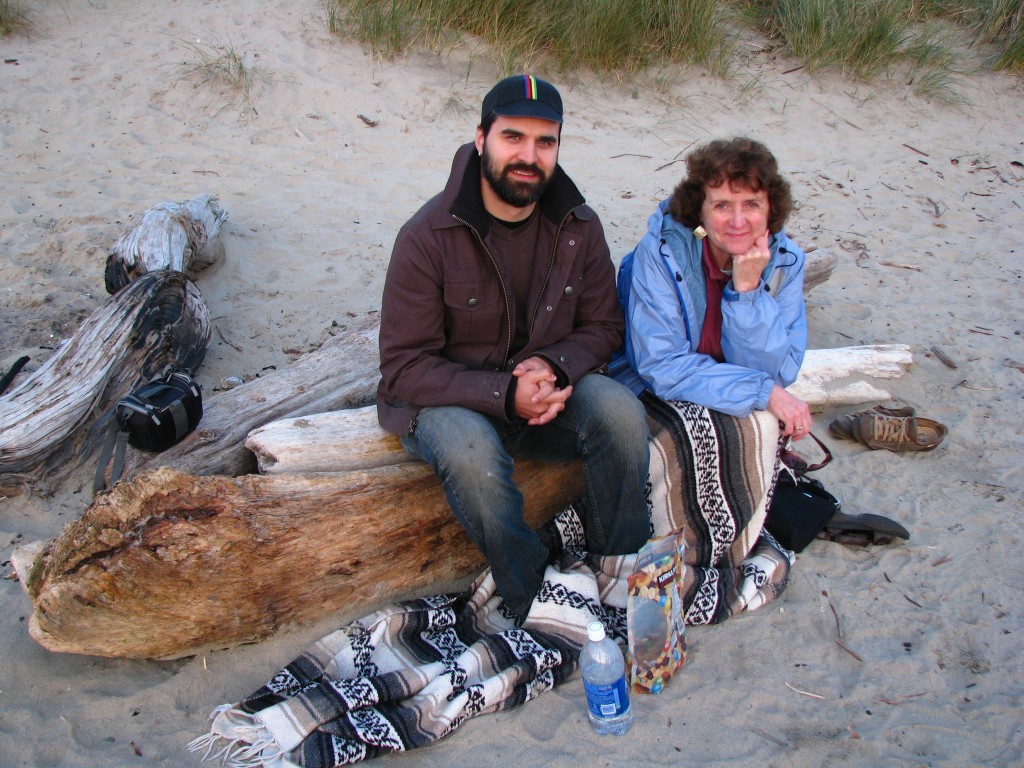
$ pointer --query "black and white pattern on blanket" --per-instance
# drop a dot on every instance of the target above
(413, 672)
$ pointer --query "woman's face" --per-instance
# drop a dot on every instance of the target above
(734, 218)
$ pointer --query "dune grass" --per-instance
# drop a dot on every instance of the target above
(925, 43)
(222, 64)
(604, 35)
(14, 17)
(1001, 23)
(870, 39)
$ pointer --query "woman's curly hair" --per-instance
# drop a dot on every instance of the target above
(743, 163)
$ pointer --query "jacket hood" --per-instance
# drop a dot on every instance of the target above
(462, 200)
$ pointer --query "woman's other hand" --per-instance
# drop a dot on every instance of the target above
(747, 267)
(792, 413)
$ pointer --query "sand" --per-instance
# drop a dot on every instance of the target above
(922, 201)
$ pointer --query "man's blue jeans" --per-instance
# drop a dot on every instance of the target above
(603, 424)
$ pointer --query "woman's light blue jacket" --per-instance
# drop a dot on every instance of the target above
(662, 292)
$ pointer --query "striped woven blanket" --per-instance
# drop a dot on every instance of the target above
(413, 672)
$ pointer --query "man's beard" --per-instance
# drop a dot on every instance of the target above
(514, 192)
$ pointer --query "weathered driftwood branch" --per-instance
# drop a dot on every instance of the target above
(819, 267)
(180, 236)
(170, 564)
(832, 377)
(351, 439)
(341, 374)
(57, 416)
(326, 442)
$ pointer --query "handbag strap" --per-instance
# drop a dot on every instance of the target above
(115, 445)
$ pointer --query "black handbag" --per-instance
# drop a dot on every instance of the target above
(152, 418)
(800, 507)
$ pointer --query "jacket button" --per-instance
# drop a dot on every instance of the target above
(495, 395)
(561, 358)
(572, 242)
(549, 307)
(472, 302)
(568, 290)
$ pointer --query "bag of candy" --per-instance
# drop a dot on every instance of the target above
(654, 614)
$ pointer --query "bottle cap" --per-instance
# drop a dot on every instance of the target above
(595, 631)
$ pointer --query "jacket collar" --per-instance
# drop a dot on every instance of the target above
(463, 201)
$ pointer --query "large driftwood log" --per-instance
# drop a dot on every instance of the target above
(170, 564)
(58, 416)
(180, 236)
(351, 439)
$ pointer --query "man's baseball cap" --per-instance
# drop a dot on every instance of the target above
(523, 96)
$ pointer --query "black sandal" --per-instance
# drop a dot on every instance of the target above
(861, 530)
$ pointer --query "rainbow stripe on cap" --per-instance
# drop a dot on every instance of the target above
(531, 87)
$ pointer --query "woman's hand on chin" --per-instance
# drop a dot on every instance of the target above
(747, 267)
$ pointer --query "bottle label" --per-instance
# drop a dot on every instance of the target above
(607, 700)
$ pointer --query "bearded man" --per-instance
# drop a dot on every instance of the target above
(498, 318)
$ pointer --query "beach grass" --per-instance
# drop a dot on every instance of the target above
(223, 64)
(610, 36)
(1001, 24)
(926, 43)
(14, 17)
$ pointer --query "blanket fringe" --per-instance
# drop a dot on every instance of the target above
(238, 740)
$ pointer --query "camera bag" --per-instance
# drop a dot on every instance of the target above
(152, 418)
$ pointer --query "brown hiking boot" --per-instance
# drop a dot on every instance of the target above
(842, 427)
(876, 430)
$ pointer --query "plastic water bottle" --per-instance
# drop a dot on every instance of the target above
(604, 678)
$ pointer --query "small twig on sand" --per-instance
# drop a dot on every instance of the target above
(630, 154)
(898, 265)
(846, 648)
(224, 338)
(886, 575)
(839, 629)
(852, 125)
(666, 165)
(945, 359)
(805, 693)
(770, 737)
(903, 696)
(915, 149)
(911, 601)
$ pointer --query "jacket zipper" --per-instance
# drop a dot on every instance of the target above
(551, 267)
(501, 282)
